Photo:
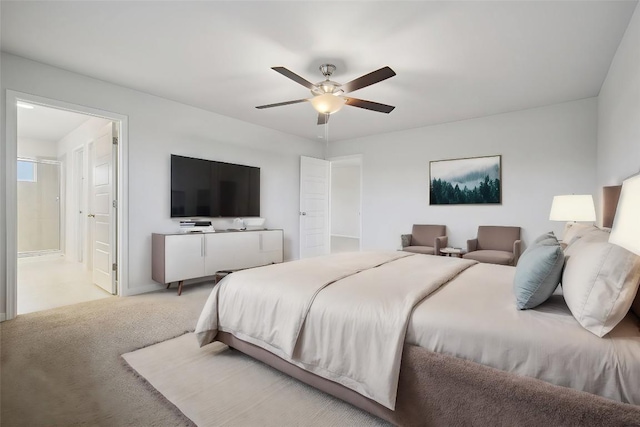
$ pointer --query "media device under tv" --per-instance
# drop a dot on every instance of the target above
(191, 226)
(205, 188)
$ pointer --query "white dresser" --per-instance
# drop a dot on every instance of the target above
(177, 257)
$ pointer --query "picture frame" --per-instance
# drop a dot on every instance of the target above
(466, 181)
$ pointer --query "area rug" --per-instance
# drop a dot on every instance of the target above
(219, 386)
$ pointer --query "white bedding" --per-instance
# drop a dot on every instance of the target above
(474, 317)
(269, 304)
(350, 331)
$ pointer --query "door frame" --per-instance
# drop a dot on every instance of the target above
(348, 158)
(79, 202)
(121, 175)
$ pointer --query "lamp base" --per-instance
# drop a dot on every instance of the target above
(567, 227)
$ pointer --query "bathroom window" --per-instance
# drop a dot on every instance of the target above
(27, 171)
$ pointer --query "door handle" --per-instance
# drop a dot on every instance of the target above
(303, 213)
(91, 216)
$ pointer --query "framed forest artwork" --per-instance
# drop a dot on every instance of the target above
(471, 181)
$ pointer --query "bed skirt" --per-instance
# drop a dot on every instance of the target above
(441, 390)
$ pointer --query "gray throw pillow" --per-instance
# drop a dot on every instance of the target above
(544, 239)
(538, 273)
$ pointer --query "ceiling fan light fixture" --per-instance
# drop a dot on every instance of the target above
(327, 103)
(328, 95)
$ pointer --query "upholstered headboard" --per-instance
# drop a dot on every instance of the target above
(610, 196)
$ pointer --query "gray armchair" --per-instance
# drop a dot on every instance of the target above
(425, 239)
(495, 245)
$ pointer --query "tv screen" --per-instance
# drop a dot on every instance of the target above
(204, 188)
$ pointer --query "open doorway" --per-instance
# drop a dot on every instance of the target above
(66, 194)
(345, 204)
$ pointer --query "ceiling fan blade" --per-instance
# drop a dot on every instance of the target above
(293, 76)
(323, 118)
(370, 105)
(369, 79)
(280, 104)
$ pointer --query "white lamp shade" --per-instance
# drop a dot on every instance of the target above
(574, 207)
(327, 103)
(626, 225)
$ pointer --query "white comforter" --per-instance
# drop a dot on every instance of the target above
(474, 317)
(343, 317)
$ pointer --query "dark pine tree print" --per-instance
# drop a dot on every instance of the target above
(443, 193)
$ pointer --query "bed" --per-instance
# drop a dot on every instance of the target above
(441, 343)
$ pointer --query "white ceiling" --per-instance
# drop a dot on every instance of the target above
(47, 124)
(454, 60)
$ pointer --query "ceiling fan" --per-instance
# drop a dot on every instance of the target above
(328, 96)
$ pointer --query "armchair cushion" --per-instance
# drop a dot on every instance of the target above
(495, 245)
(497, 238)
(427, 250)
(425, 235)
(491, 257)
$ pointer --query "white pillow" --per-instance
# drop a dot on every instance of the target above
(590, 236)
(599, 283)
(575, 231)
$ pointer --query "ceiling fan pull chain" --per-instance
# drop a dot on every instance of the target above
(326, 141)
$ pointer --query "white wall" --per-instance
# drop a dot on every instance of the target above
(619, 111)
(157, 128)
(545, 152)
(345, 200)
(37, 148)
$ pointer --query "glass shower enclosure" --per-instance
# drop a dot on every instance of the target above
(38, 207)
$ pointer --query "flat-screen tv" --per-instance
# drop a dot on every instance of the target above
(204, 188)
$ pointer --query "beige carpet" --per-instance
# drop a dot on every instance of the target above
(63, 367)
(218, 386)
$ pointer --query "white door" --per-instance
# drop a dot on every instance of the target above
(103, 213)
(314, 207)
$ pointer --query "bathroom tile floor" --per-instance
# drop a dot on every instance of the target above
(50, 281)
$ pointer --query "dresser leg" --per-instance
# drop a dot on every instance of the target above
(180, 288)
(168, 285)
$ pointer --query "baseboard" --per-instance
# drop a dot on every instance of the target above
(142, 289)
(156, 286)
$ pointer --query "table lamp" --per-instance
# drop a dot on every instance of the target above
(626, 225)
(573, 208)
